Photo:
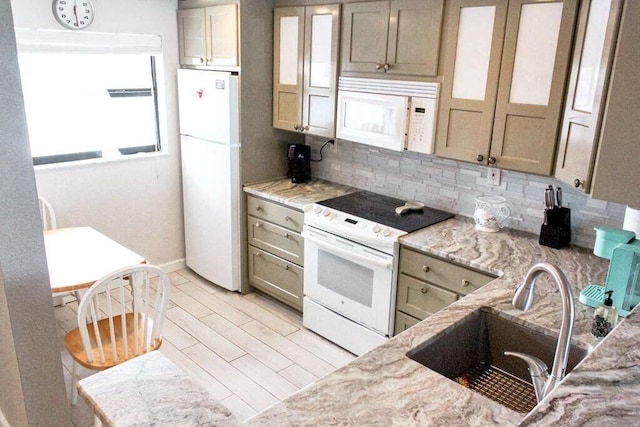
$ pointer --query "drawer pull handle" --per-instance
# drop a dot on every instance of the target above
(425, 268)
(465, 283)
(286, 267)
(423, 289)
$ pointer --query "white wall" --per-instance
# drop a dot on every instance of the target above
(137, 202)
(32, 390)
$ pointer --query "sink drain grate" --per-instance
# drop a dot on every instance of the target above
(500, 386)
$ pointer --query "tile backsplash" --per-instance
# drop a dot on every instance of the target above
(453, 186)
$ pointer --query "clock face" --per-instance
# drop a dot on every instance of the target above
(73, 14)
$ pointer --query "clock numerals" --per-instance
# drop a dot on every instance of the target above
(73, 14)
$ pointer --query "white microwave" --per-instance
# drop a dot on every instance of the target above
(392, 114)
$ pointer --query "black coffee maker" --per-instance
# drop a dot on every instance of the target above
(299, 163)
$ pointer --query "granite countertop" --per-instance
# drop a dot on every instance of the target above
(384, 387)
(150, 390)
(298, 195)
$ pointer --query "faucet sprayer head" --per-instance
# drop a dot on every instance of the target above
(523, 298)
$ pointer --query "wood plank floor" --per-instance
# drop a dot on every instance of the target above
(249, 351)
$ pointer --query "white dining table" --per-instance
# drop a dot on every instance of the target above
(77, 257)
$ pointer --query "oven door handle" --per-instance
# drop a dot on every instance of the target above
(356, 257)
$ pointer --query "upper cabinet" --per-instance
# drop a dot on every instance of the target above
(305, 67)
(208, 36)
(596, 38)
(616, 176)
(504, 77)
(398, 37)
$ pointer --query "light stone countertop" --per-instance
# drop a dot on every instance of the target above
(150, 390)
(384, 387)
(298, 195)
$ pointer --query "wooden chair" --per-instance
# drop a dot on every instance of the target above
(119, 317)
(47, 214)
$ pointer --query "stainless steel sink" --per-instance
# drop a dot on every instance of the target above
(472, 354)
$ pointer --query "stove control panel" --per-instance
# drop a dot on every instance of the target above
(351, 227)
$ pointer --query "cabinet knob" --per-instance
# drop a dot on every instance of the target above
(258, 208)
(480, 158)
(286, 267)
(296, 127)
(286, 235)
(258, 254)
(386, 67)
(257, 225)
(492, 160)
(378, 66)
(423, 289)
(425, 268)
(202, 61)
(306, 128)
(288, 218)
(465, 283)
(577, 183)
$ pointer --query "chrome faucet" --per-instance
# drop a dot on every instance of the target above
(543, 382)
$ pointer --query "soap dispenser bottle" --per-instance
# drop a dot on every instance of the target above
(604, 318)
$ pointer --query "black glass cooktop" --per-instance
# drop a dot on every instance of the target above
(382, 209)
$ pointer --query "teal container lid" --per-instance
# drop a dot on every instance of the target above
(607, 238)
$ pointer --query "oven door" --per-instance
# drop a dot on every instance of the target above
(348, 278)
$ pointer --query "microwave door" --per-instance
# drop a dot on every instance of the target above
(374, 119)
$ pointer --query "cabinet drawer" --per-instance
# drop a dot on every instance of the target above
(420, 299)
(272, 212)
(276, 277)
(403, 322)
(277, 240)
(442, 273)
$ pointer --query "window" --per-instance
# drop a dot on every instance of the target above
(86, 100)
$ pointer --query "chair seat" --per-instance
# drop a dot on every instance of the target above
(73, 342)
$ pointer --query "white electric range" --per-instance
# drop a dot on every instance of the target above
(351, 258)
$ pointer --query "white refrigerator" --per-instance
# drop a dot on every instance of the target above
(209, 139)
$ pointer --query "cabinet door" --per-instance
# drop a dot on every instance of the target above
(364, 42)
(534, 67)
(414, 37)
(276, 277)
(191, 36)
(222, 34)
(471, 70)
(322, 30)
(617, 176)
(288, 44)
(592, 58)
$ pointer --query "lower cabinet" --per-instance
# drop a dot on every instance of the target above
(427, 284)
(276, 250)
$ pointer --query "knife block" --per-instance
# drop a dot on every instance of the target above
(556, 233)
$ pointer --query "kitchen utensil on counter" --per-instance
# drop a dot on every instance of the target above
(411, 205)
(556, 227)
(491, 213)
(623, 250)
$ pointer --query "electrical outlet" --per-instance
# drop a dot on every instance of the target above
(493, 176)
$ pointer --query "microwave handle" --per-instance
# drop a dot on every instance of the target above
(356, 257)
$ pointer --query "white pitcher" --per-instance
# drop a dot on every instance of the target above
(491, 213)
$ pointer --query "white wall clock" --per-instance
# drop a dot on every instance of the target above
(73, 14)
